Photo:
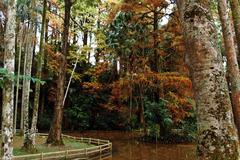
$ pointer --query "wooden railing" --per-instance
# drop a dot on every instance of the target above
(103, 149)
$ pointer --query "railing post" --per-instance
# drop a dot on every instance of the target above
(86, 152)
(110, 146)
(42, 156)
(66, 154)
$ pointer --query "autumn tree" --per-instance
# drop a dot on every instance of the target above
(217, 136)
(55, 133)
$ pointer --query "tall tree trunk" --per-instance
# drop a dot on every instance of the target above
(30, 45)
(217, 135)
(55, 133)
(155, 57)
(39, 76)
(85, 38)
(232, 64)
(90, 45)
(85, 43)
(236, 20)
(45, 62)
(75, 34)
(19, 38)
(8, 88)
(27, 144)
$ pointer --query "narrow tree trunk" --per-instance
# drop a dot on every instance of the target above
(232, 64)
(8, 88)
(55, 137)
(27, 143)
(85, 43)
(30, 45)
(141, 109)
(85, 38)
(45, 62)
(18, 36)
(236, 20)
(22, 107)
(217, 135)
(90, 45)
(155, 57)
(75, 34)
(39, 76)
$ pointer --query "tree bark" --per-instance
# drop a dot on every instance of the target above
(45, 62)
(217, 135)
(8, 88)
(55, 133)
(27, 144)
(30, 51)
(20, 35)
(232, 63)
(155, 57)
(236, 20)
(39, 76)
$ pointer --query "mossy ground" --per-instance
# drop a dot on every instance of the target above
(42, 147)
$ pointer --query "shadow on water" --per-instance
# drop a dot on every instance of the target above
(127, 147)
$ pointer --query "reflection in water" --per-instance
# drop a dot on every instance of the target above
(126, 147)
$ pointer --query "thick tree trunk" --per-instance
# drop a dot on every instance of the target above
(232, 64)
(236, 20)
(39, 76)
(217, 135)
(8, 88)
(55, 137)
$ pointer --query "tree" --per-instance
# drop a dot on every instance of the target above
(39, 75)
(27, 142)
(232, 63)
(8, 88)
(55, 132)
(217, 136)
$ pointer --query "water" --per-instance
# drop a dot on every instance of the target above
(127, 147)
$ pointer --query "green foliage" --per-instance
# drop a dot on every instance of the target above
(124, 36)
(134, 124)
(77, 117)
(158, 118)
(158, 112)
(23, 9)
(44, 121)
(153, 131)
(4, 74)
(78, 112)
(189, 126)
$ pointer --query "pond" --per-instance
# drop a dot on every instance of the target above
(127, 147)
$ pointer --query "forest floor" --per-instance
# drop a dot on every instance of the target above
(42, 147)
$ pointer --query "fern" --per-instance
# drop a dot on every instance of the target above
(5, 74)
